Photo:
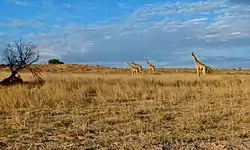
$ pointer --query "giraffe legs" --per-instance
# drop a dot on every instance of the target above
(152, 71)
(139, 71)
(204, 70)
(134, 71)
(198, 72)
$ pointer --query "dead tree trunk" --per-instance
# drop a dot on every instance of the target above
(18, 55)
(12, 79)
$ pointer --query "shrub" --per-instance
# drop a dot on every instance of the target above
(209, 69)
(55, 61)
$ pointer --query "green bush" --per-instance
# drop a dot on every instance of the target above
(55, 61)
(209, 69)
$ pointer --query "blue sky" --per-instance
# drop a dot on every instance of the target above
(109, 32)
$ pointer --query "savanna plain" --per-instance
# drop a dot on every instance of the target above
(105, 108)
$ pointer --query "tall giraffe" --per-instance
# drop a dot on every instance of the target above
(199, 66)
(133, 69)
(139, 67)
(151, 68)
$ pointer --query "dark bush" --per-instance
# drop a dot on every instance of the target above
(55, 61)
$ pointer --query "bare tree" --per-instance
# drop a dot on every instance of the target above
(19, 55)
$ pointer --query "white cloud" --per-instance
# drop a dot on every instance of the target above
(235, 33)
(240, 1)
(107, 37)
(123, 5)
(67, 5)
(19, 2)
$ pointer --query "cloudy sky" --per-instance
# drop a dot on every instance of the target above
(110, 32)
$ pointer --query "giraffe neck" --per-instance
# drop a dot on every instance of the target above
(135, 64)
(148, 62)
(196, 60)
(130, 65)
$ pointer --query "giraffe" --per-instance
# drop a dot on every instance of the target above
(139, 67)
(151, 68)
(133, 69)
(199, 66)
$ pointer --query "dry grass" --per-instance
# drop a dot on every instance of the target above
(120, 111)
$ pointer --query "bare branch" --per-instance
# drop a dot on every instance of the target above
(19, 55)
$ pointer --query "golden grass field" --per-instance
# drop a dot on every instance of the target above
(112, 109)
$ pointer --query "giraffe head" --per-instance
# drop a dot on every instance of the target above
(193, 54)
(127, 62)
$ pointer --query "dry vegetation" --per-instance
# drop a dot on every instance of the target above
(120, 111)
